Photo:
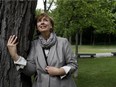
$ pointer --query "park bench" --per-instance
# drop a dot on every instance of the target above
(114, 53)
(82, 55)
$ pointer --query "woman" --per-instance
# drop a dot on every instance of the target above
(50, 57)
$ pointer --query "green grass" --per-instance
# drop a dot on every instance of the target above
(97, 72)
(95, 49)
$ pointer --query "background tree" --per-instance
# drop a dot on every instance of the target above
(80, 14)
(16, 18)
(47, 5)
(74, 16)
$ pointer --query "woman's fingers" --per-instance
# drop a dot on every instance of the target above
(12, 40)
(9, 40)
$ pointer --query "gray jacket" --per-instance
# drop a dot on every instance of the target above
(60, 55)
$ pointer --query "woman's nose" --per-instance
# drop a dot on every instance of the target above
(42, 22)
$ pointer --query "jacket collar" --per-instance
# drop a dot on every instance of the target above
(41, 58)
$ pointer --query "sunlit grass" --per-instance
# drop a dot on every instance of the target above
(96, 72)
(95, 49)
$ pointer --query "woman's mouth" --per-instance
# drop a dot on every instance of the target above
(42, 27)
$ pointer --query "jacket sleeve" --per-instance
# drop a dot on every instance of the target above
(70, 57)
(30, 67)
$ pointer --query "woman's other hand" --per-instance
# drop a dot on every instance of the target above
(54, 71)
(11, 44)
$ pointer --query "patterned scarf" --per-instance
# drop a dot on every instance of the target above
(49, 42)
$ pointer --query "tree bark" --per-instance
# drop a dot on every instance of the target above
(16, 18)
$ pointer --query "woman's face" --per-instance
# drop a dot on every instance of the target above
(44, 25)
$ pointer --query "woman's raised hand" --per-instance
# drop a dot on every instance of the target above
(11, 44)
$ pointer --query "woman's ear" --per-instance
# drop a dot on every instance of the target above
(51, 29)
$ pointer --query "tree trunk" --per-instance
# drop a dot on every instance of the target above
(70, 40)
(46, 6)
(16, 18)
(76, 45)
(81, 37)
(76, 52)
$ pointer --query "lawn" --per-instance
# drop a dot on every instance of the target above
(95, 48)
(97, 72)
